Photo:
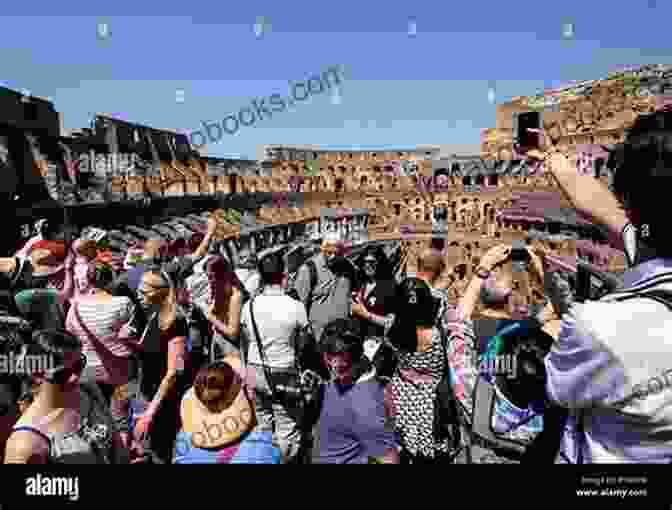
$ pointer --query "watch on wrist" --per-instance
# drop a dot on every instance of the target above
(483, 273)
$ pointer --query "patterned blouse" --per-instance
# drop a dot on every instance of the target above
(411, 395)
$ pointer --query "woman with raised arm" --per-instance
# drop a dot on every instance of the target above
(462, 346)
(589, 196)
(155, 408)
(224, 307)
(617, 390)
(45, 308)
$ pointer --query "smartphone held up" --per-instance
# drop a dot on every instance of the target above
(527, 128)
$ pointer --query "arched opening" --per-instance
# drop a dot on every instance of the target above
(466, 180)
(461, 271)
(438, 243)
(598, 166)
(397, 209)
(441, 214)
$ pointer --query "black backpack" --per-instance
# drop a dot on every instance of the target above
(487, 447)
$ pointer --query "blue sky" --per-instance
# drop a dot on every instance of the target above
(399, 91)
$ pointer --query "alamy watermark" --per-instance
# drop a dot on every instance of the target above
(299, 91)
(39, 485)
(28, 364)
(499, 365)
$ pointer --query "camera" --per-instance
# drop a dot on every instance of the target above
(520, 258)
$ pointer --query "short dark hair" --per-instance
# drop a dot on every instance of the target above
(272, 269)
(57, 344)
(103, 277)
(384, 270)
(342, 336)
(415, 297)
(642, 168)
(416, 307)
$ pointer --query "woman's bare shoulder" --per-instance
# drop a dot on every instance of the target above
(26, 447)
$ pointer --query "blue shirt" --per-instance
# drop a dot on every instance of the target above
(352, 426)
(254, 448)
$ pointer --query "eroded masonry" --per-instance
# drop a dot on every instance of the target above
(117, 173)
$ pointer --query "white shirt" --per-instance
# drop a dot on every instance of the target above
(250, 279)
(277, 316)
(611, 366)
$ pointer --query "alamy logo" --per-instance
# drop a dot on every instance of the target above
(25, 364)
(39, 485)
(500, 364)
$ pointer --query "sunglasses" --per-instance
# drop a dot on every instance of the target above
(151, 289)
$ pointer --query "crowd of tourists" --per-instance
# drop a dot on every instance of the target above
(207, 358)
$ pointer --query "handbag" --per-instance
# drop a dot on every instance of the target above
(292, 387)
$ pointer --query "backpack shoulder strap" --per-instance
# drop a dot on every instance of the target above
(312, 267)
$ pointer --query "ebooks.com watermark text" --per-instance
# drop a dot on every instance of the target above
(299, 91)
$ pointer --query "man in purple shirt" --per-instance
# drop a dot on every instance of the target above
(352, 425)
(611, 366)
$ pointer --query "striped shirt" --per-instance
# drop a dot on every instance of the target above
(110, 322)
